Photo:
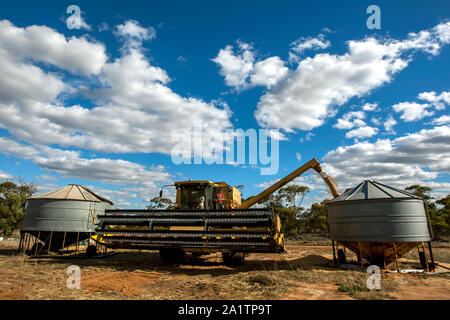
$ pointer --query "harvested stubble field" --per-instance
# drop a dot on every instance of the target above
(302, 273)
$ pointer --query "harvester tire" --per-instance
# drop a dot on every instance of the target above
(422, 260)
(233, 258)
(91, 251)
(172, 256)
(341, 257)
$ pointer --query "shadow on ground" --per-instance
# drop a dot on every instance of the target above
(150, 262)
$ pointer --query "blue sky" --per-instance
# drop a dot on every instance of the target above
(97, 106)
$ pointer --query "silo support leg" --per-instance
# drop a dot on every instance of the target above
(361, 256)
(396, 258)
(50, 242)
(30, 244)
(64, 242)
(27, 239)
(425, 256)
(36, 247)
(78, 242)
(334, 253)
(20, 242)
(431, 255)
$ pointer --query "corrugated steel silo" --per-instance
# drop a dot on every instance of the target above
(377, 221)
(65, 216)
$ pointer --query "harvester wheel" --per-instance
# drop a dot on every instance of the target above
(91, 251)
(233, 258)
(172, 256)
(341, 257)
(379, 261)
(422, 260)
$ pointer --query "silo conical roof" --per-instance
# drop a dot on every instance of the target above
(72, 192)
(370, 189)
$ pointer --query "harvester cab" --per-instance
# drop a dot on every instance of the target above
(193, 195)
(206, 195)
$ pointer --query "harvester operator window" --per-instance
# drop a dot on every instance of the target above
(195, 197)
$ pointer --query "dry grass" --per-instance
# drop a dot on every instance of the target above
(300, 274)
(355, 284)
(309, 240)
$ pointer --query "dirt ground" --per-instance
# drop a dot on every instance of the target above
(305, 272)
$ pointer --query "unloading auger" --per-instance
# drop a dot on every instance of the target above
(209, 217)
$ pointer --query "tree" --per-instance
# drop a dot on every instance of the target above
(285, 205)
(420, 191)
(438, 217)
(441, 218)
(12, 205)
(315, 220)
(161, 203)
(272, 201)
(290, 194)
(445, 202)
(289, 223)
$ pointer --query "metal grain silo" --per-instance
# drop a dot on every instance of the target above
(61, 217)
(378, 222)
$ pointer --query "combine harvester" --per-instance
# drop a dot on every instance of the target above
(209, 217)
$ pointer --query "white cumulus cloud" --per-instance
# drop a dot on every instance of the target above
(306, 98)
(362, 132)
(5, 176)
(268, 72)
(389, 124)
(369, 107)
(70, 164)
(78, 55)
(350, 120)
(412, 111)
(235, 67)
(242, 72)
(133, 34)
(413, 158)
(132, 108)
(441, 120)
(299, 46)
(437, 100)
